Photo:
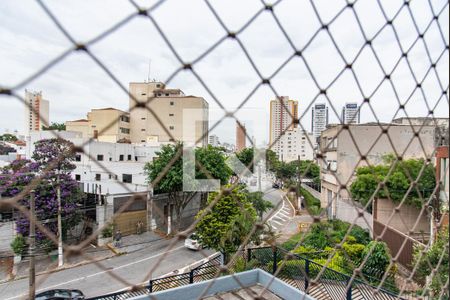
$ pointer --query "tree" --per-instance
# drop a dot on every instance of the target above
(378, 260)
(55, 126)
(436, 258)
(226, 226)
(15, 178)
(403, 175)
(272, 161)
(7, 137)
(258, 202)
(211, 158)
(246, 157)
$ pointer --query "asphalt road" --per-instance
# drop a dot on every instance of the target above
(94, 281)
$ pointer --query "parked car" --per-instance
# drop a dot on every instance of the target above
(276, 185)
(60, 294)
(191, 242)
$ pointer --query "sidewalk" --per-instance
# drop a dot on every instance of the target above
(49, 263)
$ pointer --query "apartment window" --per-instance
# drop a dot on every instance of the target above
(171, 115)
(143, 94)
(171, 127)
(98, 177)
(77, 157)
(158, 85)
(172, 103)
(143, 129)
(142, 118)
(100, 157)
(129, 157)
(121, 157)
(77, 177)
(127, 178)
(159, 94)
(167, 95)
(142, 141)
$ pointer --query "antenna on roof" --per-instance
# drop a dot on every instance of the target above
(149, 68)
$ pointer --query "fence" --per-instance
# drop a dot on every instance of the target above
(401, 245)
(320, 282)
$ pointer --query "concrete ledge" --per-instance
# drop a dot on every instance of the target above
(229, 283)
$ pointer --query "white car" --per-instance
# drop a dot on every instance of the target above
(191, 242)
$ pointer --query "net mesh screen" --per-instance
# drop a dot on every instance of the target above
(400, 59)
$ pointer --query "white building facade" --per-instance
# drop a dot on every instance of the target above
(296, 144)
(350, 113)
(319, 121)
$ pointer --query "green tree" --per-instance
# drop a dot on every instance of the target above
(225, 227)
(258, 202)
(436, 258)
(398, 182)
(7, 137)
(272, 161)
(55, 126)
(246, 157)
(378, 260)
(171, 182)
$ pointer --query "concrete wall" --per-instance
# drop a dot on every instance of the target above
(404, 220)
(7, 234)
(346, 210)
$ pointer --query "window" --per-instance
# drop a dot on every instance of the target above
(158, 85)
(171, 115)
(142, 118)
(142, 141)
(77, 177)
(121, 157)
(98, 177)
(171, 127)
(172, 103)
(167, 95)
(124, 130)
(100, 157)
(143, 94)
(143, 129)
(129, 157)
(127, 178)
(77, 157)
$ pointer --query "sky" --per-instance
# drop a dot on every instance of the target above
(77, 84)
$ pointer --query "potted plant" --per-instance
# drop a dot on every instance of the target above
(17, 246)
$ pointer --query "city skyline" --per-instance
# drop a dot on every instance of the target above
(73, 91)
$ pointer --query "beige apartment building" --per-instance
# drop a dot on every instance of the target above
(341, 152)
(104, 124)
(167, 116)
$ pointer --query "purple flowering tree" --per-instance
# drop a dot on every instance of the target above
(57, 154)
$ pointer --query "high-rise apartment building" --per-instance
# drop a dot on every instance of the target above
(36, 112)
(350, 113)
(241, 136)
(283, 114)
(213, 140)
(166, 115)
(319, 120)
(104, 124)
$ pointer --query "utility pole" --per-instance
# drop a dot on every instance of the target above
(58, 197)
(299, 184)
(259, 178)
(32, 239)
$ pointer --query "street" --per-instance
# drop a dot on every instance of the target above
(135, 266)
(94, 281)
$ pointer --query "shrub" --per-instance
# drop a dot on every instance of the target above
(108, 231)
(18, 244)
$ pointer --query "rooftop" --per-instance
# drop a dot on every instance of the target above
(239, 286)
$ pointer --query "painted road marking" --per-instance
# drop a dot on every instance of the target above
(101, 272)
(276, 222)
